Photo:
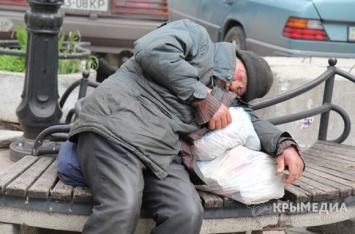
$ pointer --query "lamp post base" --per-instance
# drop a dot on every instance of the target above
(21, 146)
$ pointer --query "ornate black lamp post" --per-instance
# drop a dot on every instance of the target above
(39, 107)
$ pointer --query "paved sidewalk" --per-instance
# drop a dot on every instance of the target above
(5, 162)
(6, 137)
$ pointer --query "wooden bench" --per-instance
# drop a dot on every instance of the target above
(32, 195)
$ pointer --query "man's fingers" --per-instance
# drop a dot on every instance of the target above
(220, 119)
(284, 178)
(218, 124)
(212, 124)
(294, 162)
(295, 172)
(290, 178)
(280, 164)
(224, 122)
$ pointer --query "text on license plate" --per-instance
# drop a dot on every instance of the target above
(88, 5)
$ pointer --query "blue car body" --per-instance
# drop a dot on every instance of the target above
(261, 23)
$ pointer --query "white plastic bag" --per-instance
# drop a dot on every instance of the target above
(244, 175)
(240, 132)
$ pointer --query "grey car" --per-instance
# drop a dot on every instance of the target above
(324, 28)
(111, 26)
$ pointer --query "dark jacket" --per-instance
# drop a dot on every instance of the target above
(143, 106)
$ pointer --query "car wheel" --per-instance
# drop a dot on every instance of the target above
(236, 34)
(104, 70)
(109, 63)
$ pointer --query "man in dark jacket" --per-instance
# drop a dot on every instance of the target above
(129, 131)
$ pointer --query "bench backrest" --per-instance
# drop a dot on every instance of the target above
(327, 106)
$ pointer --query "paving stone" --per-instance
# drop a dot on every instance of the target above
(6, 137)
(345, 227)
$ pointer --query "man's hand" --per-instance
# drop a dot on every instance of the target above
(220, 119)
(290, 158)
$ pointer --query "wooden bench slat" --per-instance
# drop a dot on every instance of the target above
(335, 153)
(316, 194)
(345, 151)
(62, 192)
(332, 172)
(311, 160)
(42, 187)
(319, 153)
(330, 168)
(7, 176)
(331, 193)
(334, 163)
(210, 200)
(296, 194)
(20, 185)
(342, 190)
(337, 181)
(82, 194)
(335, 145)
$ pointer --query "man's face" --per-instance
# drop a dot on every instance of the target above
(239, 83)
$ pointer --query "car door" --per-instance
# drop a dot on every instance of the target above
(212, 14)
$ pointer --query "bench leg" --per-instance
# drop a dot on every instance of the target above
(28, 230)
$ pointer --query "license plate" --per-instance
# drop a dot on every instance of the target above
(351, 33)
(85, 5)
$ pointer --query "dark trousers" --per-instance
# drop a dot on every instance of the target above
(120, 183)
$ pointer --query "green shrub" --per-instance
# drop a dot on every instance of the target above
(65, 66)
(12, 63)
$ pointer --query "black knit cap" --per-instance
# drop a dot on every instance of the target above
(259, 75)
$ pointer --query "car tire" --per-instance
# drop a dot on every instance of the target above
(109, 63)
(104, 70)
(236, 34)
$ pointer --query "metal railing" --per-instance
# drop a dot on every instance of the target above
(81, 50)
(58, 133)
(324, 110)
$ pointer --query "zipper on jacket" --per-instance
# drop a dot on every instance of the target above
(165, 112)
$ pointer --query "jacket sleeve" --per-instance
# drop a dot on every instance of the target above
(176, 56)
